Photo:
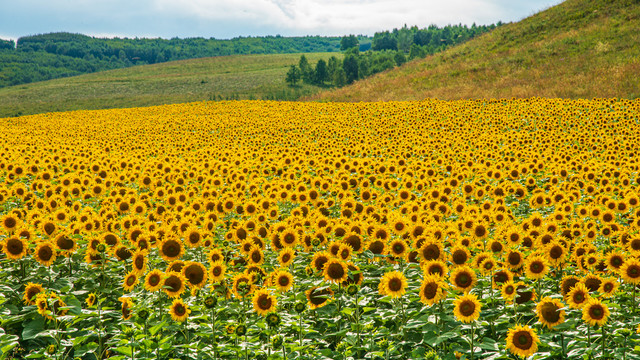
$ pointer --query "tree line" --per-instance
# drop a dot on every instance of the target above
(387, 49)
(54, 55)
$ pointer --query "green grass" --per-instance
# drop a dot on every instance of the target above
(217, 78)
(577, 49)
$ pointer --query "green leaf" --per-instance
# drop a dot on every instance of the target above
(33, 328)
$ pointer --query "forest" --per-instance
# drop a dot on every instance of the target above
(387, 49)
(55, 55)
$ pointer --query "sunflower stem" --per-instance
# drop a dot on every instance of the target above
(472, 331)
(633, 313)
(562, 344)
(213, 331)
(589, 335)
(603, 340)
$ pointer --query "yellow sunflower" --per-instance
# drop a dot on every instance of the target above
(630, 271)
(463, 278)
(30, 293)
(283, 280)
(578, 296)
(335, 271)
(174, 284)
(595, 312)
(550, 312)
(466, 308)
(195, 273)
(45, 253)
(432, 290)
(130, 281)
(522, 341)
(393, 284)
(15, 248)
(217, 271)
(264, 302)
(318, 297)
(179, 310)
(154, 280)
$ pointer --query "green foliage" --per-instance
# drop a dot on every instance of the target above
(348, 42)
(55, 55)
(293, 75)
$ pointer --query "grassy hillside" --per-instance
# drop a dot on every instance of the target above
(578, 49)
(226, 77)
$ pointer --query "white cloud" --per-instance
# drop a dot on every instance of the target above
(229, 18)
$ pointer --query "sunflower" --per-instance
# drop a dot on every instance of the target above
(460, 255)
(594, 312)
(608, 287)
(42, 304)
(377, 247)
(264, 302)
(286, 256)
(432, 290)
(10, 222)
(355, 276)
(66, 244)
(126, 306)
(179, 310)
(555, 253)
(242, 285)
(319, 260)
(615, 260)
(435, 267)
(522, 341)
(550, 312)
(508, 290)
(567, 283)
(193, 237)
(431, 250)
(289, 238)
(283, 280)
(318, 297)
(463, 278)
(30, 293)
(536, 267)
(91, 300)
(630, 271)
(154, 280)
(514, 260)
(195, 273)
(393, 284)
(466, 308)
(139, 261)
(578, 296)
(45, 253)
(500, 277)
(217, 271)
(174, 284)
(336, 271)
(171, 248)
(255, 256)
(215, 255)
(130, 281)
(398, 248)
(15, 248)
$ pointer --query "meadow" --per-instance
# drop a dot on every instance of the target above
(475, 229)
(234, 77)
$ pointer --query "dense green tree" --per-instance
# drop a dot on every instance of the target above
(305, 69)
(348, 42)
(350, 67)
(321, 74)
(293, 75)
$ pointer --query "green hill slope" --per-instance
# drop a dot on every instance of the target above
(577, 49)
(225, 77)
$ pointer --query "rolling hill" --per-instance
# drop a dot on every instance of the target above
(216, 78)
(577, 49)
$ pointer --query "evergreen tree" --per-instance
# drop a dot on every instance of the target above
(293, 75)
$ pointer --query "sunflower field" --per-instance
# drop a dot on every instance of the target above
(479, 229)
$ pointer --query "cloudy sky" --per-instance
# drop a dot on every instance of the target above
(224, 19)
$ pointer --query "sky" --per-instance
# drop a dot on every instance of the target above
(227, 19)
